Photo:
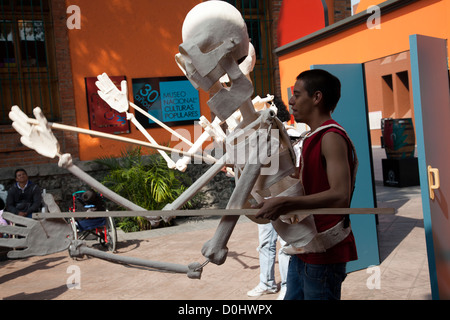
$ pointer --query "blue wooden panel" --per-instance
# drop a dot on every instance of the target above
(430, 84)
(352, 114)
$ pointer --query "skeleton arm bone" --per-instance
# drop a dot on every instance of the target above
(66, 162)
(148, 115)
(118, 100)
(210, 131)
(197, 185)
(170, 163)
(38, 136)
(64, 127)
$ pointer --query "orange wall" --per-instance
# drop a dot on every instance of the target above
(135, 38)
(360, 44)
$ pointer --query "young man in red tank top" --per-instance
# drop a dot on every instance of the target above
(327, 171)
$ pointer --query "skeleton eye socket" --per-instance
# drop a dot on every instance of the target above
(208, 47)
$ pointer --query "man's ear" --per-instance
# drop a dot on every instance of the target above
(317, 97)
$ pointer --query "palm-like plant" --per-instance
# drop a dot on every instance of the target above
(149, 184)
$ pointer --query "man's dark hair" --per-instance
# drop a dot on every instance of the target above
(19, 170)
(323, 81)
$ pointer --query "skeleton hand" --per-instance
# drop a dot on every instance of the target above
(118, 100)
(37, 135)
(41, 237)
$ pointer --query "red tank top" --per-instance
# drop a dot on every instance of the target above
(314, 178)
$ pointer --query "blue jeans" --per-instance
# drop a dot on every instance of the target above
(267, 254)
(314, 281)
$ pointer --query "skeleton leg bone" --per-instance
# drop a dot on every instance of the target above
(215, 249)
(193, 270)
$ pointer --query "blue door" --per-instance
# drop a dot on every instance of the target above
(430, 82)
(352, 114)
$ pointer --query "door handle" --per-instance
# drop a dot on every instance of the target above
(433, 181)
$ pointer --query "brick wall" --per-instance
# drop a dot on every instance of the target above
(275, 9)
(342, 9)
(12, 153)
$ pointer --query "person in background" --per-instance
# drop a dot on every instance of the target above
(268, 238)
(24, 197)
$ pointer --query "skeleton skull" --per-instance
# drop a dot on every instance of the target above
(215, 41)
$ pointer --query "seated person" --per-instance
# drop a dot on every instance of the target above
(90, 201)
(24, 197)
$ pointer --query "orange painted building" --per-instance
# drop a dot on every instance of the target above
(80, 39)
(107, 43)
(383, 48)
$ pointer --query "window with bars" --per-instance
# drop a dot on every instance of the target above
(27, 58)
(256, 14)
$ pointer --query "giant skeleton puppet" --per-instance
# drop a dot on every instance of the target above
(215, 41)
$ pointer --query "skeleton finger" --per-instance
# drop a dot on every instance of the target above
(16, 114)
(20, 121)
(16, 254)
(100, 86)
(27, 222)
(22, 128)
(13, 230)
(106, 83)
(102, 95)
(124, 88)
(43, 124)
(13, 243)
(27, 142)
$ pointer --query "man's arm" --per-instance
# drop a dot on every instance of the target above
(10, 205)
(334, 150)
(37, 200)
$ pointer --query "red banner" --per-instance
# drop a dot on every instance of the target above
(101, 116)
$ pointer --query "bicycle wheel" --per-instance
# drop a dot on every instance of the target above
(111, 234)
(74, 228)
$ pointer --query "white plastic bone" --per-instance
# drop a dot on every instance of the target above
(263, 103)
(214, 129)
(182, 163)
(214, 39)
(246, 66)
(118, 100)
(39, 137)
(211, 130)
